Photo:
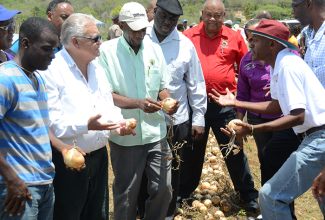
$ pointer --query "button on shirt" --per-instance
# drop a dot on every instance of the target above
(217, 56)
(315, 55)
(252, 79)
(73, 100)
(295, 87)
(139, 76)
(187, 76)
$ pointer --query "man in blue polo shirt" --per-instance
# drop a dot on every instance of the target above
(26, 168)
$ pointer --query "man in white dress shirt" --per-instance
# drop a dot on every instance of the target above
(187, 85)
(82, 109)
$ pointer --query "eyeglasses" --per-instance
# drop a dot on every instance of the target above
(96, 39)
(5, 28)
(294, 5)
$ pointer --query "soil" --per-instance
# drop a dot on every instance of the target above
(306, 207)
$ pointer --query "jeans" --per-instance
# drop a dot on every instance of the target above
(294, 178)
(215, 118)
(39, 208)
(82, 195)
(128, 164)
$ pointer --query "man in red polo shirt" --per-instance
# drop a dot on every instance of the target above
(218, 48)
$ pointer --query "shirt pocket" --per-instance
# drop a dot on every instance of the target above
(177, 70)
(153, 79)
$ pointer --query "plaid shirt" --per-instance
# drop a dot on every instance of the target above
(315, 55)
(306, 33)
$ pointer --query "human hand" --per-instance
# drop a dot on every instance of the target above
(174, 107)
(268, 91)
(94, 124)
(64, 152)
(223, 100)
(123, 129)
(318, 187)
(149, 105)
(197, 132)
(240, 134)
(17, 192)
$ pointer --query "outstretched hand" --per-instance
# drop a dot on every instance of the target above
(240, 134)
(268, 91)
(223, 100)
(123, 130)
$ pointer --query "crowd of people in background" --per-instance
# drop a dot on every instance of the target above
(60, 82)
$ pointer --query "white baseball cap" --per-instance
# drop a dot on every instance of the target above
(134, 14)
(228, 22)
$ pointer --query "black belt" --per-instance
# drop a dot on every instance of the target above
(93, 152)
(312, 130)
(210, 100)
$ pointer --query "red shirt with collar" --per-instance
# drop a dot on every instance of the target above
(218, 55)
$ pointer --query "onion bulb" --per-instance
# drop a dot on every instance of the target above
(198, 196)
(197, 190)
(73, 158)
(214, 188)
(222, 202)
(206, 185)
(208, 217)
(226, 207)
(195, 203)
(199, 205)
(232, 125)
(204, 192)
(167, 103)
(179, 217)
(219, 214)
(203, 209)
(207, 203)
(131, 124)
(215, 200)
(213, 159)
(207, 196)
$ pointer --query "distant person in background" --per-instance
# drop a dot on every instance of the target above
(185, 25)
(193, 24)
(57, 12)
(200, 18)
(294, 32)
(263, 14)
(305, 38)
(228, 24)
(7, 29)
(150, 11)
(180, 28)
(114, 31)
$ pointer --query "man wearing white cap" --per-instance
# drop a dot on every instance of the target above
(228, 23)
(138, 76)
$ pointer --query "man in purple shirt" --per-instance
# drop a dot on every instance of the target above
(253, 85)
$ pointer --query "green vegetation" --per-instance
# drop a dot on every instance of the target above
(104, 10)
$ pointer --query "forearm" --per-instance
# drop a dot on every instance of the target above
(6, 170)
(56, 143)
(240, 115)
(269, 108)
(163, 94)
(125, 102)
(296, 117)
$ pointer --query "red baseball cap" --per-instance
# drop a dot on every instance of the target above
(274, 30)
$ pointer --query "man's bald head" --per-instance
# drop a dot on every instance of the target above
(213, 3)
(213, 15)
(150, 10)
(263, 14)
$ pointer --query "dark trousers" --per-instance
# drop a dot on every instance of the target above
(82, 195)
(215, 118)
(274, 148)
(180, 135)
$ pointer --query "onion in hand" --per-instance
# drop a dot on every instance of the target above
(73, 158)
(167, 103)
(233, 126)
(131, 124)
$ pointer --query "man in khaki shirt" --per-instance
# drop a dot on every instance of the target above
(114, 31)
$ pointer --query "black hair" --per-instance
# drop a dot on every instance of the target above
(53, 4)
(295, 30)
(253, 22)
(320, 2)
(180, 26)
(33, 27)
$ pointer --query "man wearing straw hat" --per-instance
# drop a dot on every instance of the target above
(296, 92)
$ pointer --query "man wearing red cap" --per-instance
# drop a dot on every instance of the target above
(114, 31)
(301, 99)
(218, 48)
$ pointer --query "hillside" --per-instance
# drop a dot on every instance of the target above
(104, 10)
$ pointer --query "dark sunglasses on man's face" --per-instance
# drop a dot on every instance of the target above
(5, 28)
(96, 39)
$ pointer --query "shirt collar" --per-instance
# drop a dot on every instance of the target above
(127, 46)
(279, 57)
(67, 57)
(199, 30)
(174, 35)
(319, 33)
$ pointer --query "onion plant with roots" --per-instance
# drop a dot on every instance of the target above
(230, 146)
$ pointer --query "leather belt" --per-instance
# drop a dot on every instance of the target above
(312, 130)
(93, 152)
(210, 100)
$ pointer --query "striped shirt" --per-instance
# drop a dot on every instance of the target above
(24, 121)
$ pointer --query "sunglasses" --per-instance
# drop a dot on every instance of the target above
(5, 28)
(294, 5)
(96, 39)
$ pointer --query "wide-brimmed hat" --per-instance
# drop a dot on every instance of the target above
(274, 30)
(134, 14)
(6, 14)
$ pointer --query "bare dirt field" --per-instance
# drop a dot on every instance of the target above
(306, 206)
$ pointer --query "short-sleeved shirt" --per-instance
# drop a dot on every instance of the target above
(139, 76)
(114, 32)
(253, 77)
(24, 125)
(295, 86)
(315, 55)
(218, 55)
